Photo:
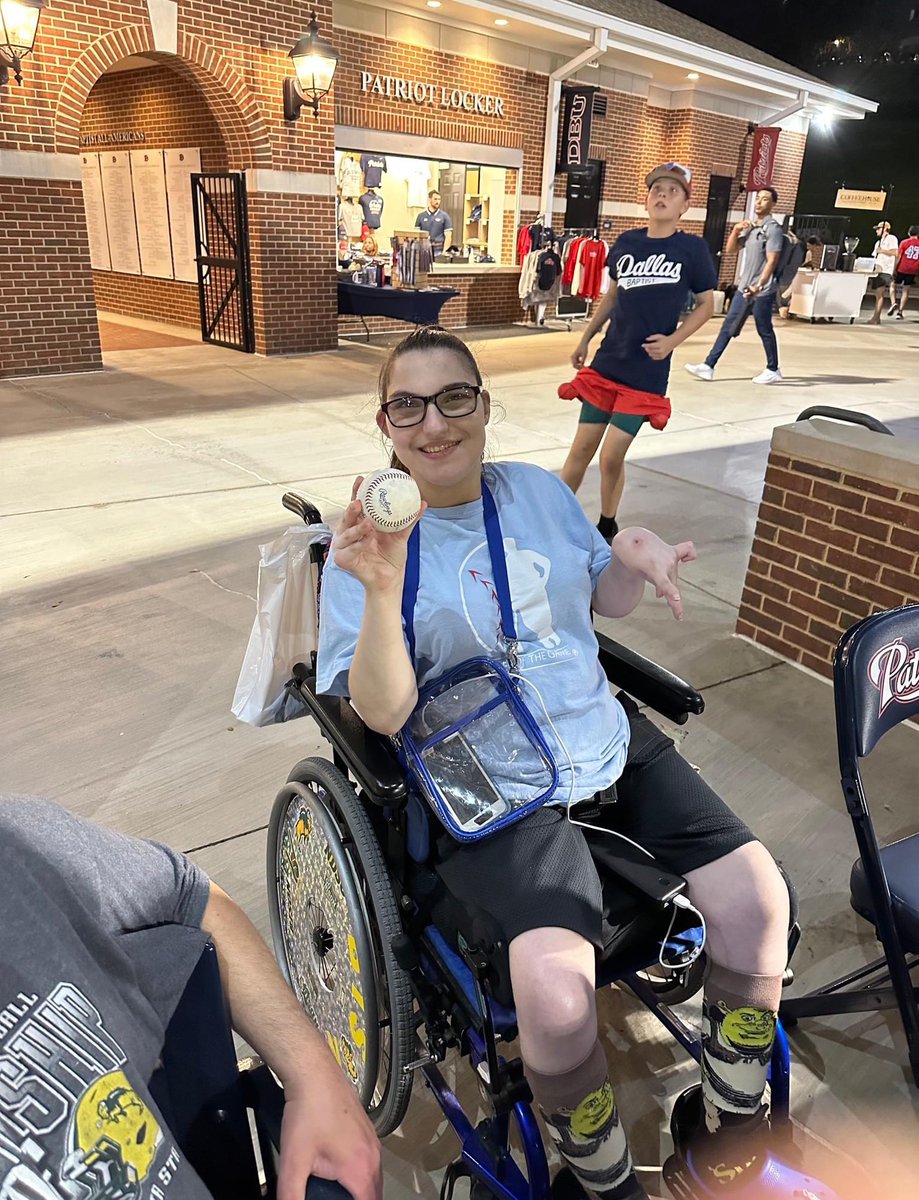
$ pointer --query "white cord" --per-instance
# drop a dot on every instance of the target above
(678, 901)
(559, 739)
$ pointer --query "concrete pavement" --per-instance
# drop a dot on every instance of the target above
(131, 506)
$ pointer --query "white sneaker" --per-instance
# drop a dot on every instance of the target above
(768, 376)
(701, 371)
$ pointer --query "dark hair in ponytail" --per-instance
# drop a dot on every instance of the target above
(425, 337)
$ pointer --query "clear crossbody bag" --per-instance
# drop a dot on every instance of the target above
(472, 715)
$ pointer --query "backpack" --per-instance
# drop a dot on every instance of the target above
(791, 256)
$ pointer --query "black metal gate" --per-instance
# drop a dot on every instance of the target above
(222, 255)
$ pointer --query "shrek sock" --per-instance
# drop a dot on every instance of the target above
(580, 1112)
(738, 1031)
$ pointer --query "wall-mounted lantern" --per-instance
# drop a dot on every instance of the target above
(315, 61)
(18, 26)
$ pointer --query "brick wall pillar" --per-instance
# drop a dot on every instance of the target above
(47, 307)
(837, 538)
(292, 244)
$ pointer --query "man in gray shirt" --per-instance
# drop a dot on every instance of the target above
(100, 934)
(756, 287)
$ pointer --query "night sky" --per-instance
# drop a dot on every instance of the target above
(884, 35)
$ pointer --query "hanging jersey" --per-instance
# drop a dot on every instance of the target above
(372, 206)
(548, 269)
(571, 259)
(373, 166)
(349, 177)
(351, 218)
(524, 244)
(593, 262)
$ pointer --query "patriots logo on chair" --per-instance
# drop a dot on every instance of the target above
(894, 671)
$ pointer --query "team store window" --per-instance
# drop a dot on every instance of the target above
(381, 194)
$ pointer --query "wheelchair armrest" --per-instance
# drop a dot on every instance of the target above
(371, 758)
(643, 875)
(648, 683)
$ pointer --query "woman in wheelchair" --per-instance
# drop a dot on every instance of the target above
(536, 876)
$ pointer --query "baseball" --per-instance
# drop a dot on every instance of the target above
(390, 499)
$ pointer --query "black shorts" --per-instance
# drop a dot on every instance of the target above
(906, 278)
(539, 872)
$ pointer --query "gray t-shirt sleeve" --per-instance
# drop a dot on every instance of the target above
(130, 883)
(774, 238)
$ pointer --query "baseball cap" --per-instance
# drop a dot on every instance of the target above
(882, 227)
(671, 170)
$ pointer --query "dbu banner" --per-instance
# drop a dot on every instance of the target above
(576, 127)
(762, 162)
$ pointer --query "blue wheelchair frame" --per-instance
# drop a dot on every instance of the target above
(485, 1151)
(436, 969)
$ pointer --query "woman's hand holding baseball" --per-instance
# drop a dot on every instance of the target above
(375, 558)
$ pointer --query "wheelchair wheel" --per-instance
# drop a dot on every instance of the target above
(333, 920)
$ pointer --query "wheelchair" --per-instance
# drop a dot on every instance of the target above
(397, 976)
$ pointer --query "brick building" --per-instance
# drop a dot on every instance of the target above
(473, 90)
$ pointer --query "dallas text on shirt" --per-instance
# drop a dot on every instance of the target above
(657, 268)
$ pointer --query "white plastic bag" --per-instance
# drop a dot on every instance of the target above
(284, 632)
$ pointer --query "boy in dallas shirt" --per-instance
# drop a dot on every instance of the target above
(653, 272)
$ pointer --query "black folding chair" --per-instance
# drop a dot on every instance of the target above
(876, 686)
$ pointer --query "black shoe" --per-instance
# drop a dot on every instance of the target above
(899, 315)
(566, 1186)
(732, 1157)
(891, 310)
(607, 528)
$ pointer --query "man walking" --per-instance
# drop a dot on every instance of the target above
(437, 223)
(756, 288)
(907, 268)
(886, 252)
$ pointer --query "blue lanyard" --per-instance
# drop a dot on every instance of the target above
(498, 568)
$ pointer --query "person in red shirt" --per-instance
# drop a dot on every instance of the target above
(907, 269)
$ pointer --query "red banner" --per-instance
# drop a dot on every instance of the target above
(762, 162)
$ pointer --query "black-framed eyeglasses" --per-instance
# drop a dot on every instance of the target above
(459, 400)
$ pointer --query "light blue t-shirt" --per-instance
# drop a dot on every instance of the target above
(554, 558)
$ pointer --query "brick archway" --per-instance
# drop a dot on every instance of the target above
(232, 104)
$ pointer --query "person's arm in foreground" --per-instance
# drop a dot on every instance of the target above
(325, 1131)
(602, 312)
(640, 557)
(660, 345)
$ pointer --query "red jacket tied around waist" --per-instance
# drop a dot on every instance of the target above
(612, 397)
